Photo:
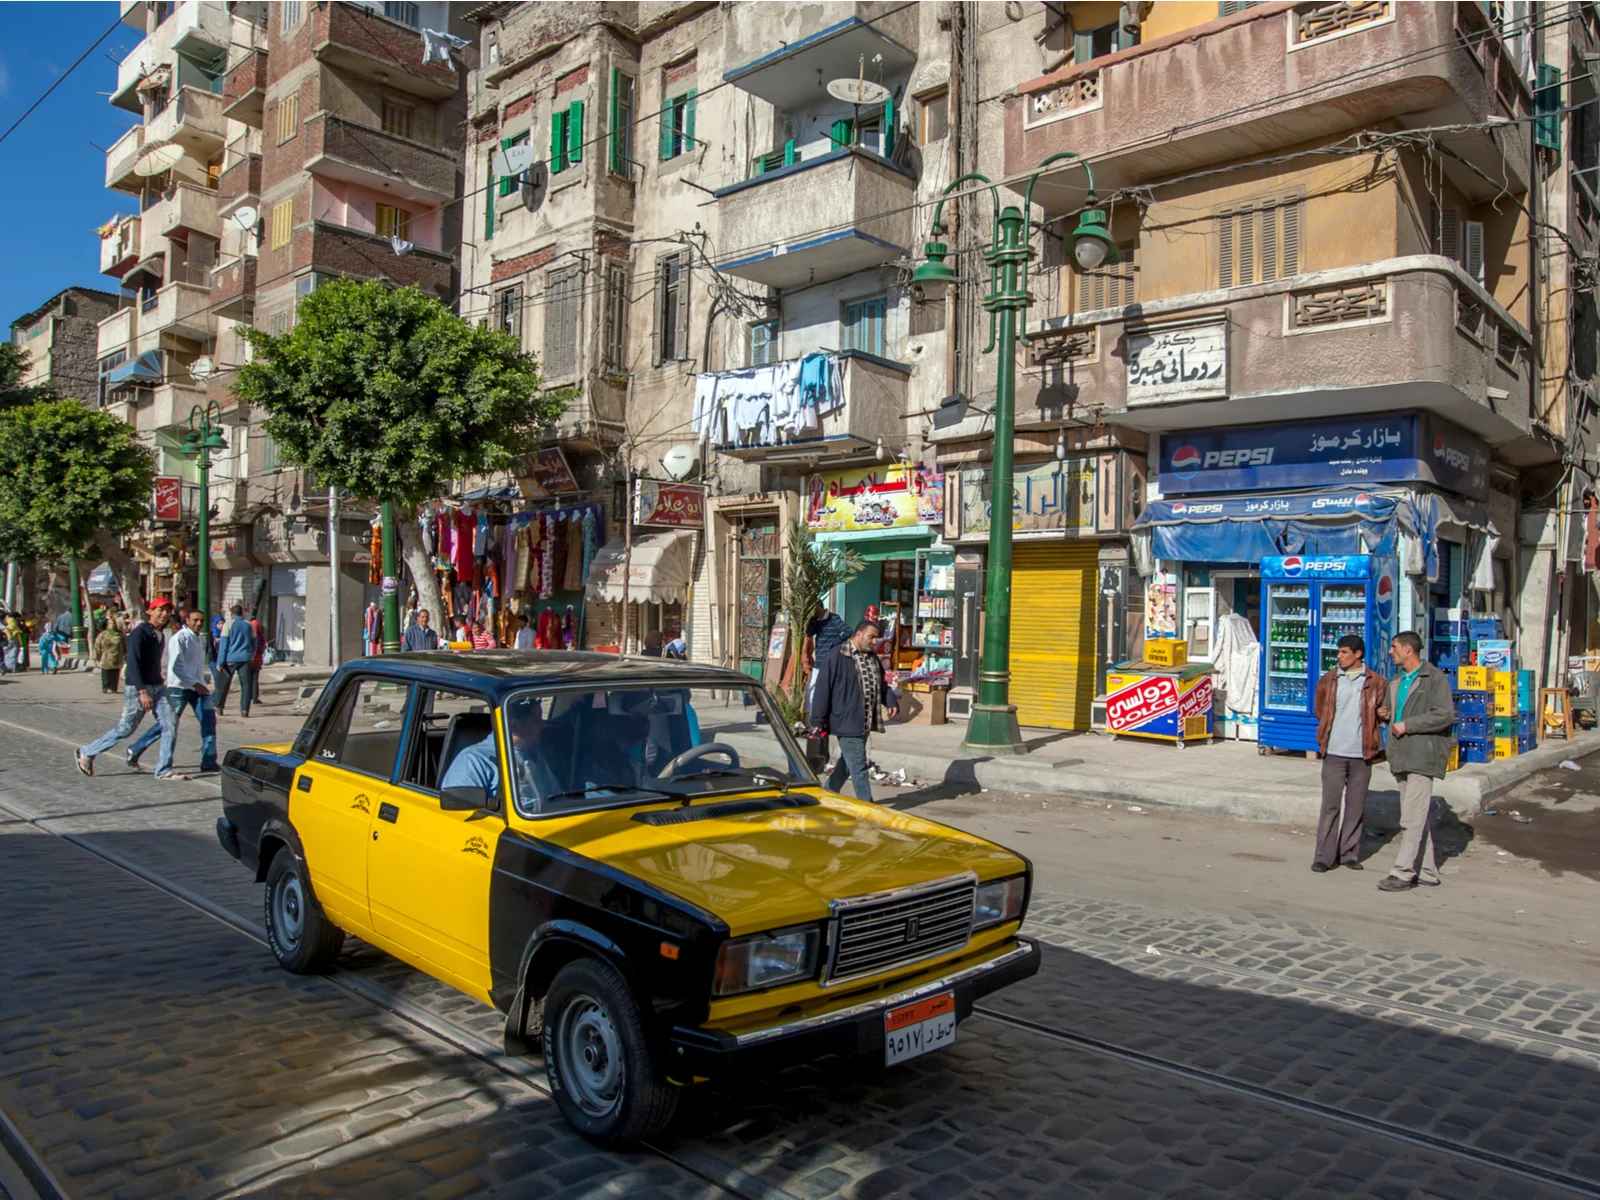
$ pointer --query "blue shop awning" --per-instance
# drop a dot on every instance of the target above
(144, 369)
(1247, 528)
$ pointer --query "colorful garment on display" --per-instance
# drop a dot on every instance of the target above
(549, 636)
(591, 541)
(547, 565)
(466, 526)
(574, 580)
(480, 537)
(569, 628)
(375, 566)
(558, 552)
(428, 520)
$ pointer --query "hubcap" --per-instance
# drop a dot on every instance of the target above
(591, 1050)
(288, 912)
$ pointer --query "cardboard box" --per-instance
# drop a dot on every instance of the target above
(1475, 679)
(1166, 652)
(1505, 747)
(1455, 758)
(922, 707)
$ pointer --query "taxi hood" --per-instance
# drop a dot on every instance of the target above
(766, 869)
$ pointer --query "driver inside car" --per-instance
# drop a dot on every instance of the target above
(479, 765)
(625, 758)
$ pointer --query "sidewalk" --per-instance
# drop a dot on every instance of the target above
(1227, 779)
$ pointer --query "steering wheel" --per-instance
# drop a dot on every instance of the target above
(694, 754)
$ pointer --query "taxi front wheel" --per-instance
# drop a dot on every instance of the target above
(302, 938)
(605, 1082)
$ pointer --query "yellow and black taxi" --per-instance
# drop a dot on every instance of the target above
(631, 860)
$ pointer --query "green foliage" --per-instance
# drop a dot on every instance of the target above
(812, 571)
(67, 471)
(13, 363)
(390, 395)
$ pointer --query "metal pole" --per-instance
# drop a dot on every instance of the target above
(334, 648)
(627, 563)
(204, 554)
(993, 728)
(11, 586)
(391, 584)
(80, 642)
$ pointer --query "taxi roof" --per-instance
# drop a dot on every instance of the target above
(502, 671)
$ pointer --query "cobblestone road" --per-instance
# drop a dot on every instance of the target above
(147, 1049)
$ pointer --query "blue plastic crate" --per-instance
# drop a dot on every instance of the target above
(1526, 726)
(1446, 661)
(1475, 752)
(1484, 627)
(1524, 744)
(1524, 704)
(1525, 683)
(1472, 729)
(1472, 704)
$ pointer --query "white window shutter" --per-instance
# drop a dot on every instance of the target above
(1225, 249)
(1472, 248)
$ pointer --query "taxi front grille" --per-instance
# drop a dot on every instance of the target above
(878, 934)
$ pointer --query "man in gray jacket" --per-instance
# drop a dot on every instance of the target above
(1422, 716)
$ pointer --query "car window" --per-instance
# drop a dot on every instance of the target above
(577, 749)
(363, 733)
(447, 723)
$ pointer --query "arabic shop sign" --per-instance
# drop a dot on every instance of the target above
(1361, 452)
(671, 505)
(546, 474)
(888, 497)
(1051, 496)
(1185, 362)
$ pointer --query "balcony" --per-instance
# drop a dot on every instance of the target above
(124, 152)
(244, 89)
(233, 289)
(338, 249)
(240, 183)
(119, 246)
(139, 62)
(201, 29)
(185, 208)
(1229, 90)
(181, 309)
(354, 38)
(170, 405)
(192, 120)
(339, 149)
(787, 78)
(874, 402)
(116, 332)
(1412, 332)
(771, 220)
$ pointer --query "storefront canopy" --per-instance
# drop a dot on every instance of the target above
(875, 545)
(660, 569)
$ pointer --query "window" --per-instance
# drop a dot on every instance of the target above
(306, 284)
(1228, 7)
(677, 124)
(566, 137)
(164, 9)
(406, 14)
(269, 455)
(508, 311)
(282, 224)
(288, 117)
(290, 14)
(672, 308)
(115, 359)
(510, 183)
(934, 117)
(447, 723)
(1259, 241)
(616, 319)
(393, 222)
(621, 124)
(278, 323)
(1107, 39)
(1454, 238)
(863, 326)
(1114, 286)
(364, 734)
(397, 118)
(563, 298)
(778, 158)
(763, 343)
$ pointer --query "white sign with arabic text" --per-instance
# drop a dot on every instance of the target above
(1185, 363)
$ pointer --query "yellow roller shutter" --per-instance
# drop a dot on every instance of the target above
(1053, 633)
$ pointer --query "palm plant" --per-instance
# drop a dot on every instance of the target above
(813, 570)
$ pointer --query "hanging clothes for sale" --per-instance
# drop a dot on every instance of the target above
(509, 550)
(375, 564)
(428, 522)
(548, 634)
(466, 526)
(558, 553)
(591, 539)
(574, 578)
(569, 628)
(546, 564)
(480, 537)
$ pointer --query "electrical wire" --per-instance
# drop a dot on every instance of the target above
(60, 79)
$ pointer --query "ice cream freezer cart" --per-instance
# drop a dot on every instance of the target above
(1170, 704)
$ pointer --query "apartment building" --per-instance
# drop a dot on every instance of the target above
(282, 144)
(61, 338)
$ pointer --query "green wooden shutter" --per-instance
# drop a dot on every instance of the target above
(488, 207)
(1547, 104)
(558, 144)
(761, 164)
(507, 183)
(789, 155)
(613, 120)
(887, 141)
(575, 132)
(688, 120)
(840, 134)
(666, 128)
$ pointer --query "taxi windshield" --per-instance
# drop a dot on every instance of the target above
(581, 749)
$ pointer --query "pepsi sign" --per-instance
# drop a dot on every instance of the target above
(1383, 598)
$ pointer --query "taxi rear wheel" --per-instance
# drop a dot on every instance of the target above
(302, 938)
(605, 1081)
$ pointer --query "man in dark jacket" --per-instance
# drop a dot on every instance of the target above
(850, 690)
(1347, 702)
(1423, 716)
(144, 688)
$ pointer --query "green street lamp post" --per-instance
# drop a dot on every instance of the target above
(80, 635)
(391, 583)
(202, 440)
(993, 727)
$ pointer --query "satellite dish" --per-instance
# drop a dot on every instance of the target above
(159, 158)
(679, 461)
(535, 185)
(860, 92)
(247, 217)
(202, 368)
(513, 160)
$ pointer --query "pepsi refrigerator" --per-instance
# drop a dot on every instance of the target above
(1308, 602)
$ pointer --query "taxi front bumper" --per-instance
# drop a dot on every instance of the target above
(854, 1030)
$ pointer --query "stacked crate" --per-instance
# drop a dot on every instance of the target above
(1451, 640)
(1512, 711)
(1474, 698)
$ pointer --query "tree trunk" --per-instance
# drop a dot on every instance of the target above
(124, 568)
(421, 568)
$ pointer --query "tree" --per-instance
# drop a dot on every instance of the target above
(13, 393)
(811, 572)
(72, 478)
(391, 396)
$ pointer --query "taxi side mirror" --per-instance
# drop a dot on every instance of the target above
(463, 799)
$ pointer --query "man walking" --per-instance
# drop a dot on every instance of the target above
(1347, 702)
(144, 690)
(523, 639)
(186, 688)
(1423, 715)
(419, 636)
(825, 632)
(111, 650)
(849, 693)
(235, 654)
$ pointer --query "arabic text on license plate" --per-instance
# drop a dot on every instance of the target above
(914, 1029)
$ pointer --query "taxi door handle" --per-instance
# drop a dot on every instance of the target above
(303, 783)
(389, 813)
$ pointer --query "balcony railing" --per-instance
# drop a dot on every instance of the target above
(120, 158)
(193, 119)
(241, 182)
(119, 247)
(170, 406)
(352, 35)
(233, 288)
(200, 29)
(874, 402)
(115, 332)
(186, 207)
(372, 158)
(244, 90)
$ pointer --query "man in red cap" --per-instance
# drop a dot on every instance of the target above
(144, 687)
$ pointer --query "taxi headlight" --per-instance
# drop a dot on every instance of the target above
(999, 902)
(749, 964)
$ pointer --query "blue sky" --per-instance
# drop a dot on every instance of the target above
(55, 160)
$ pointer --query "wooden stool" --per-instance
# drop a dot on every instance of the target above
(1562, 706)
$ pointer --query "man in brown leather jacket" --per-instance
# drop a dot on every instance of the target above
(1347, 702)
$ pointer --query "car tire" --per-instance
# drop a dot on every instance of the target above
(605, 1081)
(299, 933)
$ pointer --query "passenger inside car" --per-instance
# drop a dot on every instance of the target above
(478, 765)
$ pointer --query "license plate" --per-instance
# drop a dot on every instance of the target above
(915, 1029)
